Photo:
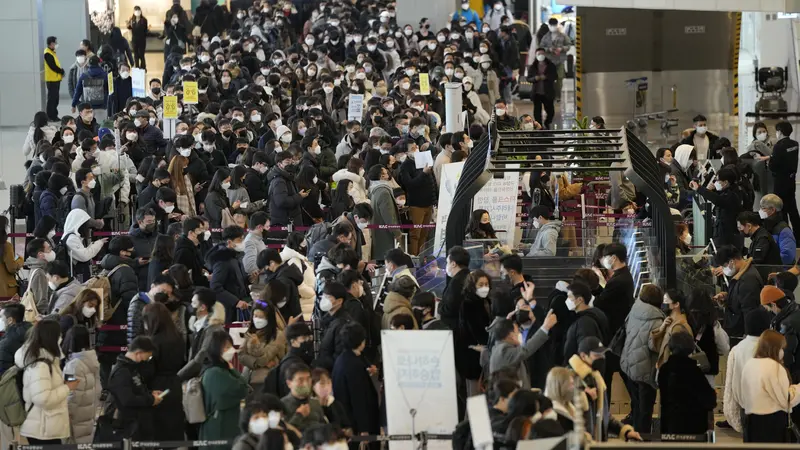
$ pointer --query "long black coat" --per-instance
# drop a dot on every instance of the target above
(473, 320)
(189, 255)
(353, 387)
(686, 397)
(228, 278)
(284, 198)
(168, 359)
(452, 298)
(616, 300)
(132, 399)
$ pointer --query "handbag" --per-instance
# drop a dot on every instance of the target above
(617, 343)
(700, 357)
(193, 405)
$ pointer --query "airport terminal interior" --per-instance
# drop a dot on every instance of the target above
(459, 224)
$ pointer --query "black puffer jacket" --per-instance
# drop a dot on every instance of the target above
(189, 255)
(11, 342)
(291, 277)
(284, 199)
(132, 399)
(591, 322)
(124, 286)
(228, 279)
(143, 243)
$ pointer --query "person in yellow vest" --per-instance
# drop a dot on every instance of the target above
(53, 73)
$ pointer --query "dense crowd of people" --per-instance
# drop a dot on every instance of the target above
(240, 304)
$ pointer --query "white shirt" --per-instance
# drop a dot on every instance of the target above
(740, 354)
(767, 388)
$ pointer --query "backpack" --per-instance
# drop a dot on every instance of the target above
(62, 252)
(29, 302)
(193, 404)
(13, 412)
(94, 90)
(63, 209)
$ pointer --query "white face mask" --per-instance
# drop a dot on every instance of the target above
(51, 255)
(259, 426)
(185, 152)
(50, 236)
(482, 292)
(536, 224)
(239, 247)
(401, 203)
(501, 112)
(607, 262)
(152, 121)
(132, 136)
(63, 190)
(68, 138)
(207, 235)
(571, 304)
(728, 271)
(228, 354)
(88, 311)
(92, 184)
(169, 209)
(81, 60)
(780, 355)
(52, 286)
(762, 137)
(226, 185)
(259, 323)
(3, 324)
(124, 75)
(540, 57)
(718, 185)
(701, 130)
(327, 89)
(763, 214)
(687, 239)
(326, 304)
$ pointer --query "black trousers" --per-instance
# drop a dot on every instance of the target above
(790, 208)
(138, 56)
(53, 88)
(643, 399)
(540, 101)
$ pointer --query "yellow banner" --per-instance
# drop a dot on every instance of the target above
(190, 94)
(424, 84)
(110, 83)
(170, 107)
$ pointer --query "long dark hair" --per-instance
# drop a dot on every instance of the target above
(157, 320)
(305, 178)
(294, 241)
(702, 312)
(180, 274)
(342, 201)
(43, 336)
(3, 230)
(477, 230)
(269, 332)
(164, 248)
(237, 174)
(39, 121)
(216, 344)
(216, 183)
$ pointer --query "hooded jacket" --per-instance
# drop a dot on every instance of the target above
(291, 277)
(358, 189)
(638, 361)
(783, 236)
(395, 305)
(83, 401)
(546, 239)
(284, 198)
(76, 250)
(124, 287)
(228, 278)
(306, 289)
(326, 272)
(37, 283)
(45, 393)
(91, 72)
(589, 322)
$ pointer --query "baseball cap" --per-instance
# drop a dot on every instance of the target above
(591, 344)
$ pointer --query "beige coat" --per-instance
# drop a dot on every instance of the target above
(659, 338)
(256, 354)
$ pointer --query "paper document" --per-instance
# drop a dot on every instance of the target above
(423, 159)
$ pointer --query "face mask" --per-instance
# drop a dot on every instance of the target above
(501, 112)
(185, 152)
(728, 271)
(536, 224)
(763, 214)
(228, 354)
(174, 21)
(540, 57)
(88, 311)
(718, 185)
(360, 76)
(152, 121)
(325, 304)
(207, 235)
(371, 48)
(52, 286)
(432, 46)
(132, 136)
(571, 304)
(169, 209)
(309, 42)
(50, 236)
(482, 292)
(687, 239)
(92, 184)
(762, 137)
(401, 203)
(226, 185)
(701, 130)
(51, 255)
(81, 60)
(63, 190)
(239, 247)
(255, 118)
(778, 135)
(259, 426)
(302, 391)
(259, 323)
(607, 262)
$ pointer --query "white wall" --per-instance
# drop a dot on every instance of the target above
(697, 5)
(68, 20)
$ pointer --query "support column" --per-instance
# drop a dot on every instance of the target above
(21, 73)
(68, 20)
(453, 107)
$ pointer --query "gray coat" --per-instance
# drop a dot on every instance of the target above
(253, 245)
(385, 207)
(83, 401)
(553, 40)
(546, 241)
(638, 360)
(507, 356)
(37, 283)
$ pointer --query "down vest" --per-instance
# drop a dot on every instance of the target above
(45, 393)
(638, 361)
(83, 401)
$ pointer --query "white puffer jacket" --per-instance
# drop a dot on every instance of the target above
(45, 393)
(358, 189)
(83, 401)
(306, 289)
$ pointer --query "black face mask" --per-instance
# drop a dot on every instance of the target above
(149, 228)
(156, 90)
(666, 309)
(599, 365)
(523, 317)
(307, 351)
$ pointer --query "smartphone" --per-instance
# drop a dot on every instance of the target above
(69, 377)
(163, 394)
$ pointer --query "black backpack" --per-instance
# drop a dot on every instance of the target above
(63, 209)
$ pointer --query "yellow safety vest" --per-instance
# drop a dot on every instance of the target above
(49, 74)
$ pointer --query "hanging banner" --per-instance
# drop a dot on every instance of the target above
(190, 94)
(424, 84)
(420, 375)
(110, 83)
(170, 107)
(447, 189)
